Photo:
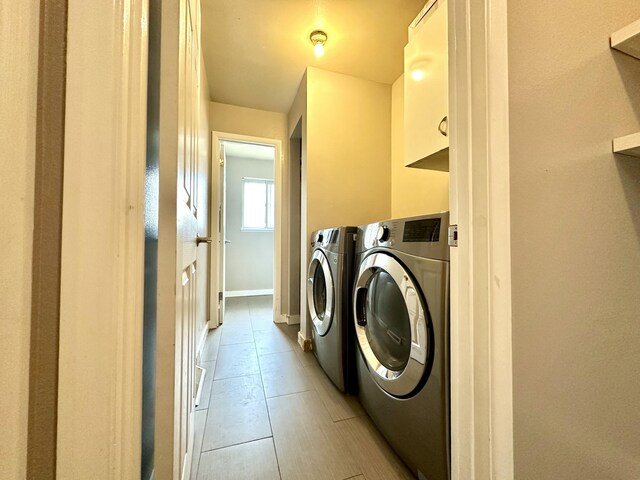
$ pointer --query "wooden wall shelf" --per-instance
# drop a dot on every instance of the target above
(627, 39)
(629, 145)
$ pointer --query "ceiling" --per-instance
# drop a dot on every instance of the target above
(256, 51)
(249, 150)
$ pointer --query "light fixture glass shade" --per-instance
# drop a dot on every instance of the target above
(318, 39)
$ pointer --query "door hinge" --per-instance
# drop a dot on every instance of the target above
(453, 235)
(219, 297)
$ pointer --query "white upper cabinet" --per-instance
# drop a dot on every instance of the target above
(426, 90)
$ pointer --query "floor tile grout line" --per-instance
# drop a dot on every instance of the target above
(235, 444)
(312, 389)
(213, 379)
(206, 417)
(264, 394)
(236, 376)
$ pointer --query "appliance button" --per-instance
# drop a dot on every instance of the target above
(383, 233)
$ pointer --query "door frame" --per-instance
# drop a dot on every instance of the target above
(102, 260)
(482, 420)
(278, 167)
(481, 396)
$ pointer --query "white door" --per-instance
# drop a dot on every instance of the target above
(177, 249)
(187, 231)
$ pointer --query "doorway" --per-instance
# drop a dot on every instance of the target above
(248, 219)
(295, 241)
(248, 224)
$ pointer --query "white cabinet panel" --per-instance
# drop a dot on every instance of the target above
(426, 93)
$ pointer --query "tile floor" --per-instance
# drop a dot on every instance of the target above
(268, 411)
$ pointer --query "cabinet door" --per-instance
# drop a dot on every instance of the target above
(426, 92)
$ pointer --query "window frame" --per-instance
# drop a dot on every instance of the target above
(270, 204)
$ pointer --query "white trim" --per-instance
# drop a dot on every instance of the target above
(103, 241)
(248, 293)
(289, 319)
(481, 369)
(293, 319)
(268, 203)
(203, 339)
(304, 342)
(200, 383)
(278, 169)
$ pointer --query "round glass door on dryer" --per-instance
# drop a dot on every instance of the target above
(393, 329)
(320, 292)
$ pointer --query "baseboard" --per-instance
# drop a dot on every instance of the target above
(288, 319)
(305, 343)
(248, 293)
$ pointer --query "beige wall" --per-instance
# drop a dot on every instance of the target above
(256, 123)
(293, 240)
(248, 121)
(204, 207)
(348, 150)
(18, 96)
(413, 191)
(575, 241)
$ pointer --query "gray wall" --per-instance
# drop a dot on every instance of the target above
(575, 241)
(249, 256)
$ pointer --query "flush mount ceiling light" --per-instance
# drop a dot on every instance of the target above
(318, 39)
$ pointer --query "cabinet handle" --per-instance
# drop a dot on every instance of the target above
(441, 129)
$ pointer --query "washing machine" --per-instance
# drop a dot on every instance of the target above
(329, 282)
(401, 323)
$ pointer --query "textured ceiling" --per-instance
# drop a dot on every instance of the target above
(256, 51)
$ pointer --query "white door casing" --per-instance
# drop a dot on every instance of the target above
(481, 369)
(100, 364)
(222, 239)
(217, 205)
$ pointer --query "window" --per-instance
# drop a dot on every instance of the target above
(257, 204)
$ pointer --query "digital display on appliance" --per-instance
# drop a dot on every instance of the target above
(427, 230)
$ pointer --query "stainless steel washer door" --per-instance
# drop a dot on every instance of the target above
(392, 326)
(320, 290)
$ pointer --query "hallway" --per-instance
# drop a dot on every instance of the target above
(268, 411)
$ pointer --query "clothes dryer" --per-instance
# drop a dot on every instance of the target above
(401, 320)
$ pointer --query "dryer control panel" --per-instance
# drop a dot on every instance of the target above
(424, 236)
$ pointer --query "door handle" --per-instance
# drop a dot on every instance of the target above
(443, 130)
(227, 241)
(200, 240)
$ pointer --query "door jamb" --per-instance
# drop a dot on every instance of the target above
(481, 395)
(102, 263)
(278, 166)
